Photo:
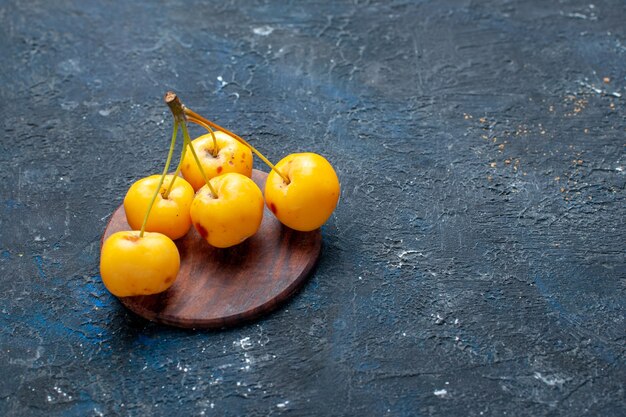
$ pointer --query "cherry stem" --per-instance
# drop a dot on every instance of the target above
(177, 173)
(158, 188)
(195, 156)
(177, 109)
(196, 118)
(210, 130)
(215, 150)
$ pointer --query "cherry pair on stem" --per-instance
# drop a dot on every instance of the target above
(301, 190)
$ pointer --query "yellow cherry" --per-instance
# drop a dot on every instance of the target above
(233, 215)
(231, 156)
(132, 265)
(308, 200)
(170, 215)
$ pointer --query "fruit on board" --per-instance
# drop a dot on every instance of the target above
(311, 195)
(302, 191)
(230, 156)
(131, 264)
(169, 214)
(232, 215)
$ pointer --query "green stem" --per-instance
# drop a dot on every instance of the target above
(196, 118)
(211, 131)
(177, 173)
(158, 189)
(187, 140)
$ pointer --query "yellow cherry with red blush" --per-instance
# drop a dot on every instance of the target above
(309, 196)
(217, 156)
(170, 212)
(230, 215)
(131, 264)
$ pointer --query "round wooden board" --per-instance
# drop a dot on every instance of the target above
(225, 287)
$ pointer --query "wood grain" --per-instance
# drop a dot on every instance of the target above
(225, 287)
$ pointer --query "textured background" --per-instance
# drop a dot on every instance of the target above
(476, 263)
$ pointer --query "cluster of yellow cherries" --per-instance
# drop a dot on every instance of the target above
(217, 196)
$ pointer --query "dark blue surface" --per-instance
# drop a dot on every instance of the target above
(476, 262)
